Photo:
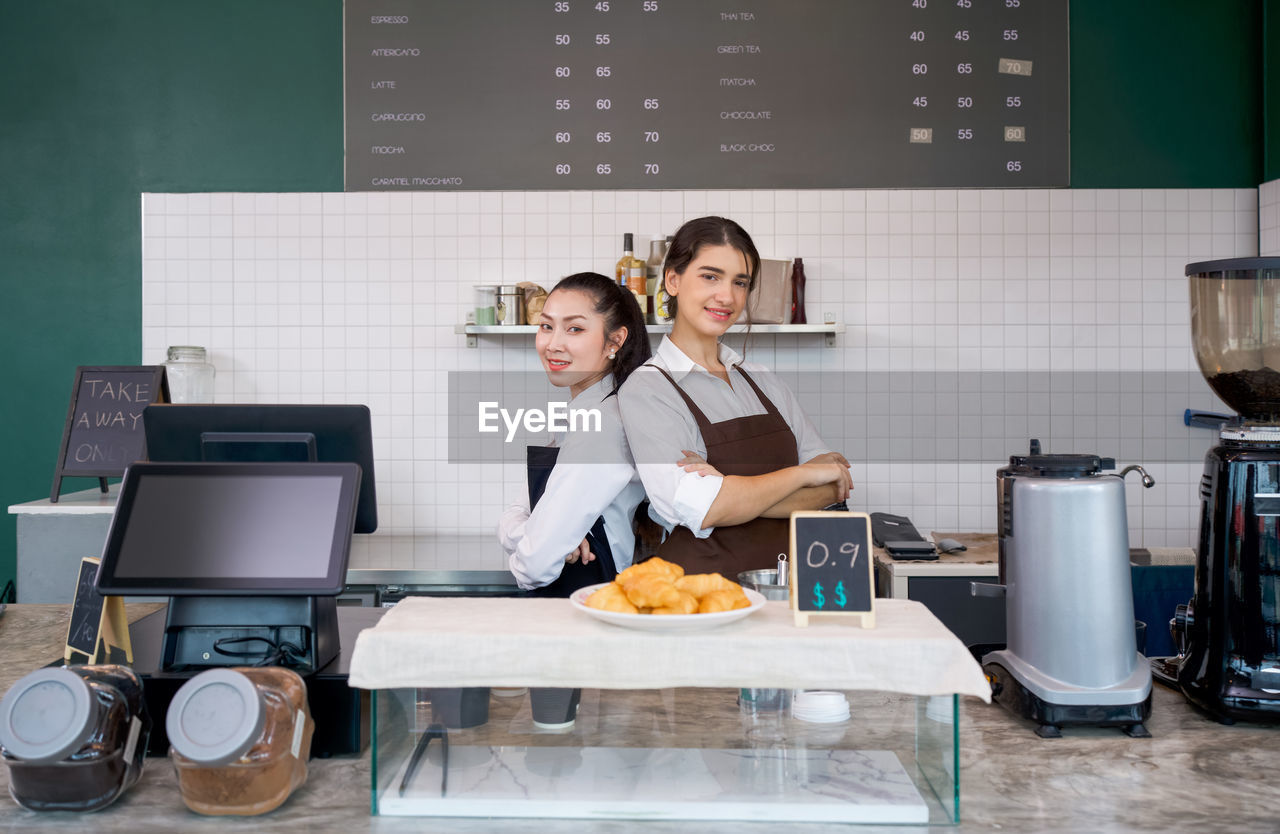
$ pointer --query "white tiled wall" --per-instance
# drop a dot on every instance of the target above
(354, 298)
(1269, 218)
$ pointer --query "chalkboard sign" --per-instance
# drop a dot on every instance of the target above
(98, 631)
(579, 94)
(831, 566)
(104, 433)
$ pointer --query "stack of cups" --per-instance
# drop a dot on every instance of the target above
(819, 706)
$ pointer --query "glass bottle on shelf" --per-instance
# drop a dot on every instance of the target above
(622, 270)
(637, 284)
(653, 277)
(190, 374)
(797, 292)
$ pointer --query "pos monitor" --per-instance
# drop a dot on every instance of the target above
(251, 555)
(267, 433)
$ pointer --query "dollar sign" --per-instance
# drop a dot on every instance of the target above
(818, 599)
(840, 597)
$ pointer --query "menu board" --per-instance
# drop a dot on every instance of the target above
(655, 94)
(103, 433)
(98, 630)
(86, 613)
(831, 566)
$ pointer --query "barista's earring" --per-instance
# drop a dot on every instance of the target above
(612, 355)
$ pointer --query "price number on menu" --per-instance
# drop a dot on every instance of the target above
(592, 56)
(953, 21)
(831, 566)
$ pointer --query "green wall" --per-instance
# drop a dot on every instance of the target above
(1271, 90)
(1166, 93)
(101, 101)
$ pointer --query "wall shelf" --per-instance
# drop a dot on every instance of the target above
(829, 330)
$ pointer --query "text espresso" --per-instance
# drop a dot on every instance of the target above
(556, 417)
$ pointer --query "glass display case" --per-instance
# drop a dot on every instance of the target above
(675, 753)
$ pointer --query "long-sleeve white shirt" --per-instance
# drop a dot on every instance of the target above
(594, 476)
(659, 427)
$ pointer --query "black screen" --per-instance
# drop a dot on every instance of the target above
(194, 526)
(255, 432)
(231, 528)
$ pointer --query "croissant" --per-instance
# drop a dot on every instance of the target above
(717, 601)
(651, 567)
(673, 570)
(633, 573)
(611, 598)
(686, 605)
(652, 592)
(701, 584)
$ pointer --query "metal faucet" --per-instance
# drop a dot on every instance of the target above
(1147, 480)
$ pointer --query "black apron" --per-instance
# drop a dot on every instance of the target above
(540, 461)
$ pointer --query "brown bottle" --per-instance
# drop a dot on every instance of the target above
(797, 292)
(622, 271)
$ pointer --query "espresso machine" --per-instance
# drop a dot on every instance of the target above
(1228, 634)
(1072, 656)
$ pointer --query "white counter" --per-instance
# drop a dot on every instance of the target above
(54, 537)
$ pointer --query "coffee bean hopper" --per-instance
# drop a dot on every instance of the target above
(1228, 634)
(1072, 655)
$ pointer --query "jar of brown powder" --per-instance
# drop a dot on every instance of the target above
(240, 738)
(74, 738)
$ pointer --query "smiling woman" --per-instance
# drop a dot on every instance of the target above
(721, 440)
(575, 529)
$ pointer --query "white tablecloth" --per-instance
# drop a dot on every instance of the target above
(454, 642)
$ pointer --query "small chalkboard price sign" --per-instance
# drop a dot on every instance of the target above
(831, 567)
(103, 434)
(98, 631)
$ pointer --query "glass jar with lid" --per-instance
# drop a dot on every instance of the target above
(240, 738)
(190, 374)
(74, 737)
(486, 304)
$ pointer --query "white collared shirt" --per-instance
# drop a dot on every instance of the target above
(660, 426)
(594, 476)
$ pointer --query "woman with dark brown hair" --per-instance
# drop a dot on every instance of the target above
(718, 442)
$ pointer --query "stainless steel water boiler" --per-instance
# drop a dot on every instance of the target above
(1071, 656)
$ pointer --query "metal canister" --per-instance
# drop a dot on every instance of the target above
(509, 306)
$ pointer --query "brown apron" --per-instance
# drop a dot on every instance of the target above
(753, 445)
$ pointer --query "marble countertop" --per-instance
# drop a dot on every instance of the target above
(982, 556)
(1191, 775)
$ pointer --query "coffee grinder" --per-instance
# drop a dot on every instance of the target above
(1228, 635)
(1072, 656)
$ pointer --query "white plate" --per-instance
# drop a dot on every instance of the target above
(665, 622)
